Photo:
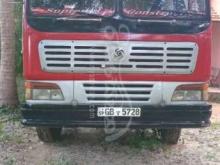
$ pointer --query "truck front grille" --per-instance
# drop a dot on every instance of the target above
(115, 92)
(118, 56)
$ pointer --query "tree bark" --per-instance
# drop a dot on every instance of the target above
(8, 90)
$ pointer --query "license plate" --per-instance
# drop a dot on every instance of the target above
(118, 112)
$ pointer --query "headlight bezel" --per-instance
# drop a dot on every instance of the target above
(189, 91)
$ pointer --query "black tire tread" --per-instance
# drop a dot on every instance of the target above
(170, 136)
(49, 134)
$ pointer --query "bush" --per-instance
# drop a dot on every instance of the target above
(18, 20)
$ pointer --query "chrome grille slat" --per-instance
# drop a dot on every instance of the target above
(179, 58)
(90, 62)
(91, 92)
(58, 56)
(58, 62)
(178, 64)
(98, 56)
(91, 51)
(148, 51)
(180, 52)
(89, 56)
(119, 95)
(117, 99)
(110, 89)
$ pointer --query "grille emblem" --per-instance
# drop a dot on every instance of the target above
(119, 54)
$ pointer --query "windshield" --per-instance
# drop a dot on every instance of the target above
(131, 8)
(71, 7)
(138, 16)
(165, 8)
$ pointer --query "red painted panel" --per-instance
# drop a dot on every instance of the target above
(32, 68)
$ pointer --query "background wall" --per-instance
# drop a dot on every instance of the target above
(216, 54)
(216, 45)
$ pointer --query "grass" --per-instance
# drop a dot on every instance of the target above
(10, 161)
(215, 126)
(215, 98)
(146, 139)
(9, 137)
(211, 156)
(20, 88)
(9, 114)
(61, 160)
(141, 142)
(12, 116)
(1, 129)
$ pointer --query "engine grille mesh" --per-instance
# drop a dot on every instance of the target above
(117, 92)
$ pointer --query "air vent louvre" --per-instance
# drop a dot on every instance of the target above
(117, 92)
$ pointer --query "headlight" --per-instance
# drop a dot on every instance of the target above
(43, 91)
(191, 93)
(47, 94)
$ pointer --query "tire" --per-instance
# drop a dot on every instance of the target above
(170, 136)
(49, 135)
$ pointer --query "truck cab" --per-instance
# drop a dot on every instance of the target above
(139, 63)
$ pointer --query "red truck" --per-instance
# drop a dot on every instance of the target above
(139, 63)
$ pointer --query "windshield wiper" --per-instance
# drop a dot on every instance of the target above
(84, 16)
(172, 21)
(79, 19)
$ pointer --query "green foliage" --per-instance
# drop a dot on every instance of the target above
(18, 21)
(20, 88)
(9, 114)
(215, 126)
(142, 142)
(61, 160)
(1, 129)
(10, 161)
(5, 111)
(9, 136)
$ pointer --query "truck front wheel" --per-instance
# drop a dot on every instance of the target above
(170, 136)
(49, 134)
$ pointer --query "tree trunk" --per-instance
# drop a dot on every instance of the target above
(8, 90)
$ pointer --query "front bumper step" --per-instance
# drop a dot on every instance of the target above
(86, 116)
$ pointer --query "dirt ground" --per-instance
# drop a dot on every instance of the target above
(19, 145)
